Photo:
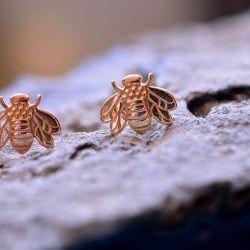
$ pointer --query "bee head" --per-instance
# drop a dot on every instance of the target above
(131, 79)
(17, 98)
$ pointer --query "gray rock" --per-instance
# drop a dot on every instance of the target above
(91, 183)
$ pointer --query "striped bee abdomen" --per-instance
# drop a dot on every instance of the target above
(135, 107)
(137, 116)
(21, 136)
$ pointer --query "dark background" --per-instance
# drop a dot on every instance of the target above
(49, 37)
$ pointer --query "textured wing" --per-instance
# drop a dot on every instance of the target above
(111, 111)
(109, 108)
(4, 128)
(160, 102)
(45, 124)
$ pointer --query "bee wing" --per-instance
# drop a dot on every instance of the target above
(45, 124)
(109, 108)
(111, 111)
(118, 121)
(160, 102)
(4, 124)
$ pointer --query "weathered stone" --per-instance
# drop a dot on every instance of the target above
(92, 183)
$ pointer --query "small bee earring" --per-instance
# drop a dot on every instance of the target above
(136, 103)
(21, 122)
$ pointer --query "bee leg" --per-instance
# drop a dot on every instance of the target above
(149, 80)
(37, 101)
(3, 103)
(116, 87)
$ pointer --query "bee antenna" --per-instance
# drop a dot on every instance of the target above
(3, 103)
(150, 79)
(116, 87)
(37, 101)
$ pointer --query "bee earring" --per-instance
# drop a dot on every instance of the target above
(136, 104)
(21, 122)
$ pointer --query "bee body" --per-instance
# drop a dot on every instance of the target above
(21, 122)
(21, 137)
(136, 103)
(135, 107)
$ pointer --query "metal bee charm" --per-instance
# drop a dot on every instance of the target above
(136, 104)
(21, 122)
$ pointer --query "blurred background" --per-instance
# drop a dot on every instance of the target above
(49, 37)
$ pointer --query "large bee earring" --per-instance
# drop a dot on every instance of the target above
(136, 103)
(21, 122)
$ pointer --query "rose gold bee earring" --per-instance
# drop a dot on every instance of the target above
(136, 104)
(21, 122)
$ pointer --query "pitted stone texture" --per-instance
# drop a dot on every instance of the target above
(91, 181)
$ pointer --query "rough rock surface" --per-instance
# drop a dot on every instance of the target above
(91, 183)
